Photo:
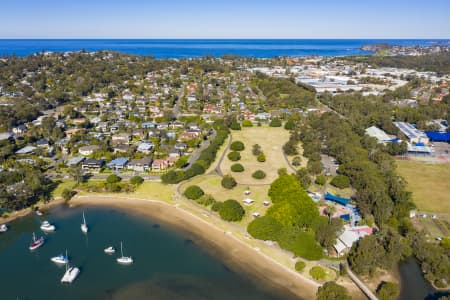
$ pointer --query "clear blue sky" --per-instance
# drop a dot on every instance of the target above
(225, 19)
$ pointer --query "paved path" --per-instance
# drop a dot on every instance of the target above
(360, 284)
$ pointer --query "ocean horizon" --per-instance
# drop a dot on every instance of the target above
(192, 48)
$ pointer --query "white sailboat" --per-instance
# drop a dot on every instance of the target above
(3, 228)
(84, 227)
(70, 275)
(46, 226)
(61, 259)
(125, 260)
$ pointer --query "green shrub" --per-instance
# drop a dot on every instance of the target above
(231, 211)
(206, 200)
(237, 168)
(216, 206)
(228, 182)
(247, 123)
(321, 180)
(261, 157)
(317, 273)
(259, 174)
(296, 161)
(275, 123)
(113, 178)
(388, 291)
(193, 192)
(332, 291)
(235, 126)
(264, 228)
(136, 180)
(300, 265)
(289, 125)
(237, 146)
(340, 181)
(234, 156)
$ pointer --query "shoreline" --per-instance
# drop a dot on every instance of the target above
(26, 211)
(258, 266)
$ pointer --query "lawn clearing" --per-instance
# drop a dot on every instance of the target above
(429, 183)
(271, 140)
(210, 184)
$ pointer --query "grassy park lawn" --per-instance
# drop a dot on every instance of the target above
(429, 184)
(210, 184)
(271, 140)
(64, 184)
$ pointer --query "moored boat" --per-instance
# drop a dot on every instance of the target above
(110, 250)
(125, 260)
(70, 275)
(36, 243)
(46, 226)
(84, 227)
(3, 228)
(60, 259)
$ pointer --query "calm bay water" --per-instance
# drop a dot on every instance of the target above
(168, 264)
(176, 48)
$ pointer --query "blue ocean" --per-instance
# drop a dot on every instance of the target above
(186, 48)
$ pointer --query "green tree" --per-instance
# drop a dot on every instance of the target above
(300, 265)
(264, 228)
(340, 181)
(113, 178)
(193, 192)
(320, 179)
(296, 161)
(237, 168)
(234, 156)
(67, 194)
(228, 182)
(332, 291)
(206, 200)
(237, 146)
(289, 125)
(259, 174)
(136, 180)
(181, 162)
(388, 291)
(275, 122)
(235, 126)
(231, 211)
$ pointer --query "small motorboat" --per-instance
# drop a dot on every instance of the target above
(110, 250)
(60, 259)
(39, 213)
(124, 260)
(84, 227)
(46, 226)
(3, 228)
(36, 243)
(70, 275)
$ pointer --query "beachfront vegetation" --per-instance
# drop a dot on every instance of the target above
(388, 291)
(265, 228)
(235, 125)
(275, 122)
(259, 174)
(237, 146)
(237, 168)
(67, 194)
(231, 211)
(217, 206)
(261, 157)
(247, 123)
(228, 182)
(206, 200)
(193, 192)
(332, 291)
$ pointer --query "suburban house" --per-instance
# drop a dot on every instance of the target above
(140, 165)
(121, 148)
(118, 163)
(181, 146)
(26, 150)
(88, 150)
(189, 135)
(145, 148)
(174, 153)
(121, 138)
(19, 130)
(92, 165)
(159, 165)
(43, 143)
(75, 161)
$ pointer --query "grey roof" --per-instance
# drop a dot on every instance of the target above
(409, 130)
(26, 150)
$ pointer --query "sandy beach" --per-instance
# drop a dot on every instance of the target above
(26, 211)
(233, 251)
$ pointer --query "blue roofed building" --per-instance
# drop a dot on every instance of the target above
(118, 163)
